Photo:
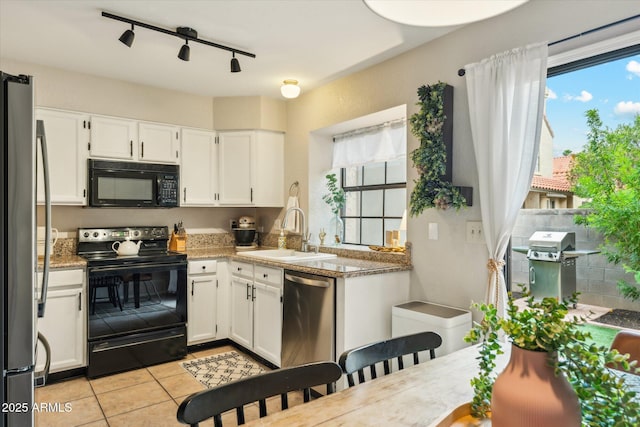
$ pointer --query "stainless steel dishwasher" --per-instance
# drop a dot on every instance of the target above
(308, 319)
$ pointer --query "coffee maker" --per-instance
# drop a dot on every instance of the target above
(244, 232)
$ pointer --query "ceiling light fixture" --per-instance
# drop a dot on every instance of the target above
(127, 37)
(186, 33)
(185, 51)
(440, 13)
(235, 65)
(290, 88)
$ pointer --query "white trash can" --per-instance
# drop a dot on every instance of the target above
(451, 323)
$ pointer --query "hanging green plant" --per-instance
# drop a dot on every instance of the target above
(433, 187)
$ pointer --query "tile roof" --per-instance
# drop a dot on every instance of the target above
(559, 181)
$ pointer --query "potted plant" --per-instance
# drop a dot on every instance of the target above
(540, 329)
(336, 199)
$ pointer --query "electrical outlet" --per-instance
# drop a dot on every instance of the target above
(474, 232)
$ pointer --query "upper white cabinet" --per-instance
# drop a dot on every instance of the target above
(125, 139)
(113, 138)
(235, 167)
(158, 143)
(251, 168)
(199, 168)
(268, 169)
(67, 136)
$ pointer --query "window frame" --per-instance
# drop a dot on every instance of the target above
(370, 187)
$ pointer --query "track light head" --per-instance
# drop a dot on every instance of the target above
(185, 51)
(235, 65)
(127, 37)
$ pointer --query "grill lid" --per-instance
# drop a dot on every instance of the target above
(552, 241)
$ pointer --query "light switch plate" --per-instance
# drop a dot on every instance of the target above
(475, 234)
(433, 231)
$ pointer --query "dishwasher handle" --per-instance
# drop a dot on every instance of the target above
(317, 282)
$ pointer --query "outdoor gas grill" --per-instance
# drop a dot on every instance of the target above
(552, 263)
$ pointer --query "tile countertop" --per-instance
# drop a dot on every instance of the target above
(332, 267)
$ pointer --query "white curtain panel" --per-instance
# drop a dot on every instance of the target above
(381, 145)
(506, 100)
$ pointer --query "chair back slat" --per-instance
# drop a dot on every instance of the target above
(284, 401)
(357, 359)
(387, 367)
(210, 403)
(372, 369)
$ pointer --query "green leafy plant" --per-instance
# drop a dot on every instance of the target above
(336, 197)
(430, 158)
(607, 174)
(605, 399)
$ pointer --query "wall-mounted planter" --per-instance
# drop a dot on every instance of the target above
(433, 126)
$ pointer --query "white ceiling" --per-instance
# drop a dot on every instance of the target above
(313, 41)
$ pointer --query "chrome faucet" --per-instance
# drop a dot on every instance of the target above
(305, 236)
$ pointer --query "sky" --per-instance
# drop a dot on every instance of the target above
(612, 88)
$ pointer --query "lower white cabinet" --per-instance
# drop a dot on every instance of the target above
(64, 321)
(202, 301)
(256, 309)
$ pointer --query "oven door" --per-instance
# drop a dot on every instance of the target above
(125, 300)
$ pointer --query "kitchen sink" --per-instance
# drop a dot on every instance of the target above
(287, 255)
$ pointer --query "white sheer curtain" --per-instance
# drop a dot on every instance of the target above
(506, 100)
(377, 144)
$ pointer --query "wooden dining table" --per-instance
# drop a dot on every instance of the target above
(418, 395)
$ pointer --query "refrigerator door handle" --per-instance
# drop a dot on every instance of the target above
(40, 134)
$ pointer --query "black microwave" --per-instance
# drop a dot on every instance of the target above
(127, 184)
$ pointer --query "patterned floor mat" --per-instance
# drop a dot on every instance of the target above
(222, 368)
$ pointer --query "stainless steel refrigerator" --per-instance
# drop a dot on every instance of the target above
(19, 305)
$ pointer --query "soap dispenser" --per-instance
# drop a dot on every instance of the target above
(282, 240)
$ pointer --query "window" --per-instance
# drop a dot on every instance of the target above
(376, 195)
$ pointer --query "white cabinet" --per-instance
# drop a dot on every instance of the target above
(113, 138)
(158, 143)
(124, 139)
(251, 168)
(199, 168)
(256, 309)
(202, 301)
(67, 137)
(63, 324)
(235, 167)
(268, 169)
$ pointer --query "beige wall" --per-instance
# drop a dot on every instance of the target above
(249, 112)
(448, 270)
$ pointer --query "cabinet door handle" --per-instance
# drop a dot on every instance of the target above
(253, 293)
(131, 148)
(248, 293)
(192, 283)
(142, 149)
(185, 194)
(80, 301)
(265, 275)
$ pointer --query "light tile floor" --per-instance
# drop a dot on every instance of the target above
(140, 398)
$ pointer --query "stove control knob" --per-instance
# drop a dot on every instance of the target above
(550, 255)
(136, 233)
(86, 234)
(535, 254)
(96, 234)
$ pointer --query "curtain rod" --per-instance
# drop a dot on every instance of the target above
(369, 128)
(461, 71)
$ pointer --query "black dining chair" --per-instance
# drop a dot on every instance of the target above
(215, 401)
(357, 359)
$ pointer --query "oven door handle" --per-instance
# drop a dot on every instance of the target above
(136, 267)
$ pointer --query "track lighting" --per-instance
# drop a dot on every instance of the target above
(235, 65)
(127, 37)
(184, 51)
(290, 88)
(186, 33)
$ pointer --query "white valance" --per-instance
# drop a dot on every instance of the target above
(376, 144)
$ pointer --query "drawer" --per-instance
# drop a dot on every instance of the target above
(205, 266)
(242, 269)
(59, 278)
(269, 275)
